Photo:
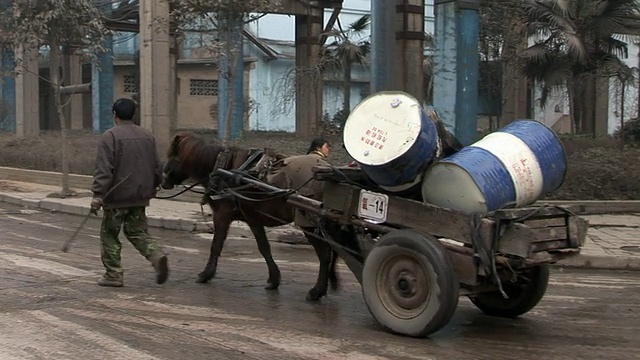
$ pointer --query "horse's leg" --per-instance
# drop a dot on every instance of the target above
(222, 219)
(337, 232)
(323, 251)
(334, 280)
(265, 250)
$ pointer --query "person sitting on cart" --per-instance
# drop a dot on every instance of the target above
(320, 147)
(299, 172)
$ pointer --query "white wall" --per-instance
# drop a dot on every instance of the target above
(268, 83)
(556, 107)
(560, 101)
(631, 93)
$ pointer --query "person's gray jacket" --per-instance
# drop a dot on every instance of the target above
(299, 172)
(127, 150)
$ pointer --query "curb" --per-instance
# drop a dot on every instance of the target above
(181, 224)
(600, 262)
(169, 223)
(162, 222)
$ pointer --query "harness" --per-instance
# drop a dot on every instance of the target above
(216, 185)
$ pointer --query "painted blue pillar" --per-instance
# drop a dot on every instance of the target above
(233, 35)
(456, 66)
(102, 79)
(8, 88)
(8, 122)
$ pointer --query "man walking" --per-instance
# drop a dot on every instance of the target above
(127, 163)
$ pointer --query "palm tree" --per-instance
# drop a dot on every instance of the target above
(348, 48)
(577, 41)
(428, 64)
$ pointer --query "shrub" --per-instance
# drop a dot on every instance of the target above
(630, 132)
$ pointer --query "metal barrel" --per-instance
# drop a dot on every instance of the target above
(392, 138)
(513, 166)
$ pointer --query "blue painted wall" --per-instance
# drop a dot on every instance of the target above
(8, 120)
(102, 79)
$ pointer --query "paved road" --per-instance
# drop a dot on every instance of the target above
(50, 307)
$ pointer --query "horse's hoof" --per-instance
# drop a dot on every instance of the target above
(335, 286)
(314, 295)
(203, 278)
(273, 282)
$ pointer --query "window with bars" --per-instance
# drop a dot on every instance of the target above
(130, 84)
(201, 87)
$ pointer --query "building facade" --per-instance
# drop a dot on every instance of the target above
(269, 81)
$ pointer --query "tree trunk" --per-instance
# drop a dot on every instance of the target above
(624, 85)
(54, 75)
(589, 101)
(137, 96)
(513, 85)
(228, 68)
(579, 105)
(346, 100)
(573, 116)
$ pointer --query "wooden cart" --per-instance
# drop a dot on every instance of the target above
(414, 260)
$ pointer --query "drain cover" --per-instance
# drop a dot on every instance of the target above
(631, 248)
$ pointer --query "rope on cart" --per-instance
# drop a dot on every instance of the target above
(487, 258)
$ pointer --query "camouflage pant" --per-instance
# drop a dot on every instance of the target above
(134, 223)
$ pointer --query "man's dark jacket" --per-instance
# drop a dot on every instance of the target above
(122, 150)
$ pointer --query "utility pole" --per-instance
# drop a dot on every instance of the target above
(397, 47)
(383, 41)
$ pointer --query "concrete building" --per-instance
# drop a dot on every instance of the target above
(269, 59)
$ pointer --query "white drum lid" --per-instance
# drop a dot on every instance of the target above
(382, 128)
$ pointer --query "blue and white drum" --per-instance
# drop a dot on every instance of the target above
(513, 166)
(392, 138)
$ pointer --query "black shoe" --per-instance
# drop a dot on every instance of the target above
(162, 270)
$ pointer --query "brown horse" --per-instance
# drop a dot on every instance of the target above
(190, 157)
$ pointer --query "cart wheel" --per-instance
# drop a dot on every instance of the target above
(409, 284)
(523, 294)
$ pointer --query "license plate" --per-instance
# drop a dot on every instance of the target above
(373, 206)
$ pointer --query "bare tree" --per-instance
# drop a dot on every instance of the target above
(73, 24)
(502, 36)
(349, 46)
(223, 22)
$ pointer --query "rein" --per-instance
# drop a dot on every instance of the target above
(186, 188)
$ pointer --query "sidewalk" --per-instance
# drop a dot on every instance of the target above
(613, 240)
(167, 214)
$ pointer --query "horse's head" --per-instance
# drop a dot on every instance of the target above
(172, 171)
